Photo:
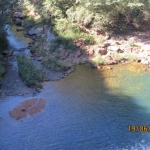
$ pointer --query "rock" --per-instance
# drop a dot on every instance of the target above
(128, 50)
(118, 43)
(46, 79)
(70, 70)
(107, 44)
(45, 27)
(79, 44)
(111, 62)
(99, 67)
(43, 35)
(113, 48)
(19, 29)
(144, 61)
(138, 60)
(102, 51)
(108, 67)
(28, 107)
(8, 52)
(120, 51)
(40, 58)
(90, 52)
(107, 36)
(101, 45)
(35, 31)
(18, 15)
(78, 53)
(18, 22)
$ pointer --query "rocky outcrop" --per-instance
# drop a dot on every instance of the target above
(18, 15)
(28, 107)
(17, 18)
(17, 21)
(35, 31)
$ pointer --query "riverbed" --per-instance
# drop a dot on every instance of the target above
(88, 110)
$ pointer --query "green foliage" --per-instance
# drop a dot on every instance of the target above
(54, 64)
(65, 43)
(31, 74)
(29, 22)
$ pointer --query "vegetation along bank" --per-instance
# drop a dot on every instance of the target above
(84, 31)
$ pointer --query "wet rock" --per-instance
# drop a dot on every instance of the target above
(8, 52)
(28, 107)
(19, 29)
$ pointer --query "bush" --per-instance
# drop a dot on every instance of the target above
(31, 74)
(66, 43)
(55, 64)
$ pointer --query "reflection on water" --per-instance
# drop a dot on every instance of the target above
(89, 109)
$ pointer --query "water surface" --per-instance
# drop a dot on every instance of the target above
(88, 110)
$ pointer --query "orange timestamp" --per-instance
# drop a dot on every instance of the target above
(140, 128)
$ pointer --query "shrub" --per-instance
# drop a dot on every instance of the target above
(31, 74)
(54, 64)
(66, 43)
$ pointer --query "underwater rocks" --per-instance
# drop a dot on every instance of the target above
(28, 107)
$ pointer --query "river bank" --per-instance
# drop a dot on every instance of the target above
(57, 58)
(58, 53)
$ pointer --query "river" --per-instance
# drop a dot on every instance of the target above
(88, 110)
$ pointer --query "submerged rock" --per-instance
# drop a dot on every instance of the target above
(28, 107)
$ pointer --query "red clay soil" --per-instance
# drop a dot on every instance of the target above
(28, 107)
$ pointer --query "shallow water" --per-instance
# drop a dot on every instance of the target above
(90, 110)
(84, 111)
